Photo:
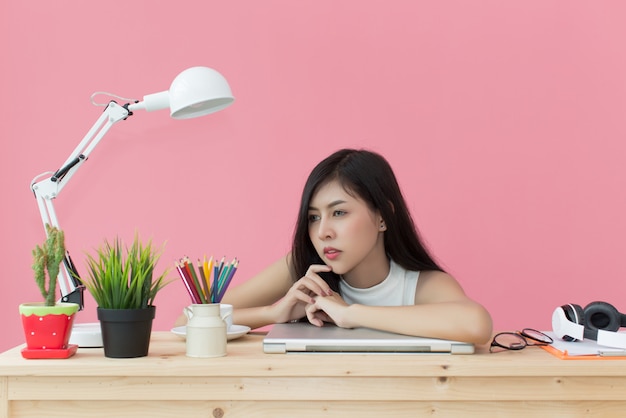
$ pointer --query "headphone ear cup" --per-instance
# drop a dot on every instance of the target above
(573, 313)
(601, 315)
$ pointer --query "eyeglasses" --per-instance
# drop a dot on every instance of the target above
(520, 339)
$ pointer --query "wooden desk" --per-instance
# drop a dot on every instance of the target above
(249, 383)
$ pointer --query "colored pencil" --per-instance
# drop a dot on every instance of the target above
(229, 277)
(222, 278)
(194, 298)
(207, 266)
(202, 280)
(192, 271)
(210, 282)
(217, 270)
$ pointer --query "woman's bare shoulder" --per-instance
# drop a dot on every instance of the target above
(437, 286)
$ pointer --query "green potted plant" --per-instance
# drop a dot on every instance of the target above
(124, 285)
(48, 324)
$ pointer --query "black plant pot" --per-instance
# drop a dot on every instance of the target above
(126, 332)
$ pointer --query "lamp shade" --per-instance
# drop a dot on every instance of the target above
(197, 91)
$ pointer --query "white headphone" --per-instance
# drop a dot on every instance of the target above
(599, 321)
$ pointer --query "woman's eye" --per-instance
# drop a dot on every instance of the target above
(339, 213)
(313, 218)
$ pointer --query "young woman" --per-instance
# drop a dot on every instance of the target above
(357, 261)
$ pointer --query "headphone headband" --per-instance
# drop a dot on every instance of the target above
(612, 338)
(563, 327)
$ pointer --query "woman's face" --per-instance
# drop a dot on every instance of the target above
(345, 232)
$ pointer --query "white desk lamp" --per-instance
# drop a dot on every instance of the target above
(197, 91)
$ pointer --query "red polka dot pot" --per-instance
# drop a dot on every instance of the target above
(47, 327)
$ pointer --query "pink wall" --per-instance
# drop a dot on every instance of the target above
(505, 122)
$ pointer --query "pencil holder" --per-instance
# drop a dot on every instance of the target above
(206, 332)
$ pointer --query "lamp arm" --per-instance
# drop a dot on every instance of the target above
(49, 188)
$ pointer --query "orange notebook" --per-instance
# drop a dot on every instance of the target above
(599, 355)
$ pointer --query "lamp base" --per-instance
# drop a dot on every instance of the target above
(86, 335)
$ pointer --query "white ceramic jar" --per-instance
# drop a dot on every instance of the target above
(206, 331)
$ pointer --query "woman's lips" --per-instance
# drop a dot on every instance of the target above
(331, 253)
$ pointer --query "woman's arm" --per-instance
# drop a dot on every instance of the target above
(264, 289)
(252, 299)
(441, 310)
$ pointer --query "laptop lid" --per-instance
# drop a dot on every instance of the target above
(302, 337)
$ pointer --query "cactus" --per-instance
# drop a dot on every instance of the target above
(48, 258)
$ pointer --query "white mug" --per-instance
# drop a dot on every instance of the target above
(226, 312)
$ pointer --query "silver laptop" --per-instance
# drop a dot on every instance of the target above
(302, 337)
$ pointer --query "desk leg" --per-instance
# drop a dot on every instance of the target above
(4, 397)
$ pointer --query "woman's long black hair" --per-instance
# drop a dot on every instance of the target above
(369, 176)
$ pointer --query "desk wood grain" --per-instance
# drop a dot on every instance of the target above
(249, 383)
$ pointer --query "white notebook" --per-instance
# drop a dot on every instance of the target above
(302, 337)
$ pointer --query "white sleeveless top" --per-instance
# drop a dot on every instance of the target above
(398, 289)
